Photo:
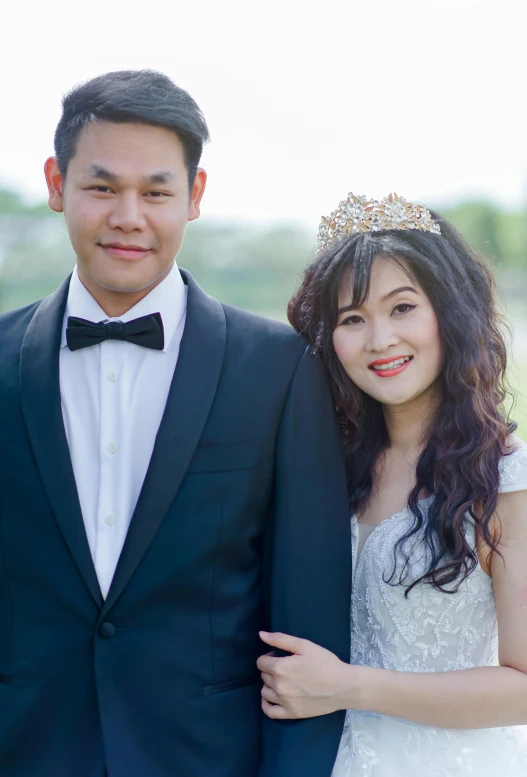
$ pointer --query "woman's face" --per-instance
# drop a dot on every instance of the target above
(390, 345)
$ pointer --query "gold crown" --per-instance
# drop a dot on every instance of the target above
(358, 214)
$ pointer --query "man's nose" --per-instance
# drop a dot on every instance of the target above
(127, 213)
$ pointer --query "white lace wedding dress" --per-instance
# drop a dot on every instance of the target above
(428, 632)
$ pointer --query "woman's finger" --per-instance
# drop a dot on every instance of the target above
(284, 641)
(269, 695)
(268, 679)
(274, 711)
(267, 663)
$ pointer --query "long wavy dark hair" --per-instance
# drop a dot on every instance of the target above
(467, 433)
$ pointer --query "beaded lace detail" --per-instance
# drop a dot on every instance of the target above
(429, 631)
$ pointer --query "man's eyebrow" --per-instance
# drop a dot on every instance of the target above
(163, 177)
(383, 299)
(101, 172)
(97, 171)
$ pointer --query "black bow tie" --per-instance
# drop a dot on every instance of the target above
(146, 331)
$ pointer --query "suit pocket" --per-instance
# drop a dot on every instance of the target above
(219, 457)
(232, 685)
(6, 679)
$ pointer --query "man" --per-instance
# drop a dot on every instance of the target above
(170, 481)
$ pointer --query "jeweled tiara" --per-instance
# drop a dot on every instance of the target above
(358, 214)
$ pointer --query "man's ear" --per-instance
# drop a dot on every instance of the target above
(55, 185)
(196, 194)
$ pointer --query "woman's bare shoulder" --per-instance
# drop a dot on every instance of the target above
(513, 465)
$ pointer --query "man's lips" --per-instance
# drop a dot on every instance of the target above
(388, 368)
(123, 251)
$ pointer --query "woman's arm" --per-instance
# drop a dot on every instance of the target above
(314, 682)
(471, 698)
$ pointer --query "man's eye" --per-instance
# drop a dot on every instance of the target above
(103, 189)
(404, 307)
(157, 195)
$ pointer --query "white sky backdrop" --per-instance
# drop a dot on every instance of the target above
(305, 101)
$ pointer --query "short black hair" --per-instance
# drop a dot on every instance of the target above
(132, 96)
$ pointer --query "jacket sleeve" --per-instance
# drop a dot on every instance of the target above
(308, 561)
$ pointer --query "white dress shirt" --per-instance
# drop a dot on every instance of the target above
(113, 397)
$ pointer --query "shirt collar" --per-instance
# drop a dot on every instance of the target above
(168, 298)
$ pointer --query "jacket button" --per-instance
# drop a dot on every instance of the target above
(106, 630)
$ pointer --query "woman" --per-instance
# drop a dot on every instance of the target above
(403, 315)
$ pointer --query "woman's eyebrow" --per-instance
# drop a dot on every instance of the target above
(397, 291)
(345, 308)
(383, 299)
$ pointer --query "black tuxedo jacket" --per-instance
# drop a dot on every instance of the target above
(242, 523)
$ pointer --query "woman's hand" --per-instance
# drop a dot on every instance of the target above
(306, 684)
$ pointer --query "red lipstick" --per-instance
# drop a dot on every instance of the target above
(400, 363)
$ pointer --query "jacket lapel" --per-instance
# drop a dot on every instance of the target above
(41, 406)
(189, 401)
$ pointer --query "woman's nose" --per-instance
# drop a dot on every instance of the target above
(381, 337)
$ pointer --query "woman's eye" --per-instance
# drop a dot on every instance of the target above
(353, 320)
(404, 307)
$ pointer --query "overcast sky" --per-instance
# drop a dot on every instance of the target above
(305, 101)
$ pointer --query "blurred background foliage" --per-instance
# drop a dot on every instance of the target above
(257, 267)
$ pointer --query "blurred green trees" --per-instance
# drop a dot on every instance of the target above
(255, 267)
(500, 235)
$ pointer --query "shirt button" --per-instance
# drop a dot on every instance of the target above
(109, 520)
(112, 447)
(112, 376)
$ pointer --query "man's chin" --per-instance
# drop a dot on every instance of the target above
(130, 288)
(121, 283)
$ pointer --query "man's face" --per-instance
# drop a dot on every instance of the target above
(126, 203)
